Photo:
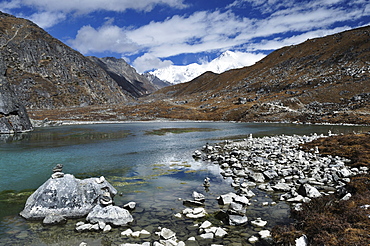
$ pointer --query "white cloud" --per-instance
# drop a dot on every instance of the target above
(5, 6)
(106, 38)
(47, 19)
(148, 61)
(87, 6)
(277, 43)
(202, 31)
(56, 9)
(206, 31)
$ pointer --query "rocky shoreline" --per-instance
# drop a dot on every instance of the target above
(275, 165)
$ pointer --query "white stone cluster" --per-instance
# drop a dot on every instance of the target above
(277, 163)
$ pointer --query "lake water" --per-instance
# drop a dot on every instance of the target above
(153, 169)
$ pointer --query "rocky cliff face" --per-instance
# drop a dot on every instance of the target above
(13, 115)
(156, 81)
(45, 73)
(126, 76)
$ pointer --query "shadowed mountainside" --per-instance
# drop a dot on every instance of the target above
(126, 76)
(45, 73)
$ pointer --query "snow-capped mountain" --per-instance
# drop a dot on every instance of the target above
(226, 61)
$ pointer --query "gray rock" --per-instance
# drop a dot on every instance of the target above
(107, 228)
(281, 187)
(95, 227)
(237, 208)
(257, 177)
(57, 175)
(308, 191)
(110, 214)
(13, 114)
(58, 168)
(237, 219)
(167, 234)
(192, 203)
(54, 219)
(208, 235)
(241, 199)
(198, 196)
(220, 232)
(67, 196)
(226, 199)
(130, 206)
(301, 241)
(270, 174)
(84, 227)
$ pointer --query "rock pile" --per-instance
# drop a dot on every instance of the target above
(277, 164)
(236, 208)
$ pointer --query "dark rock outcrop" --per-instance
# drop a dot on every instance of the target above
(13, 115)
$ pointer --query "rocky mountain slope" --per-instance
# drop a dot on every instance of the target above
(321, 80)
(127, 77)
(45, 73)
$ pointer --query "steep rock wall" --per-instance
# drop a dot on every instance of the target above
(13, 115)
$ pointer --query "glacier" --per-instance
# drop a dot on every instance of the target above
(176, 74)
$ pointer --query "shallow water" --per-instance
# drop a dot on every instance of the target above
(152, 170)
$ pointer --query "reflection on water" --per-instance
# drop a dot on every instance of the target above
(54, 138)
(154, 170)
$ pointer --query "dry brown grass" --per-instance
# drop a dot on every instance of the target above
(328, 220)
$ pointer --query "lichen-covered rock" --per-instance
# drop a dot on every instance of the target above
(67, 196)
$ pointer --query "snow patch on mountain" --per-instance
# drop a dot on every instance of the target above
(228, 60)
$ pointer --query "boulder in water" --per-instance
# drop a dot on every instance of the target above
(66, 196)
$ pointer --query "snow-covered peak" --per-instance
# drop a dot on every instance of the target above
(226, 61)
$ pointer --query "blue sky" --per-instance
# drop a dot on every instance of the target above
(152, 34)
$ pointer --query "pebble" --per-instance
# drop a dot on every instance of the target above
(259, 222)
(265, 234)
(253, 239)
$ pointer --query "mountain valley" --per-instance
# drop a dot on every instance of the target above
(323, 80)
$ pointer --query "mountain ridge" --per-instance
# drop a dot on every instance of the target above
(126, 76)
(176, 74)
(321, 80)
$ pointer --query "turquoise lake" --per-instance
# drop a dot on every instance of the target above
(154, 169)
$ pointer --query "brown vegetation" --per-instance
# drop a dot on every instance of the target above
(329, 220)
(355, 147)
